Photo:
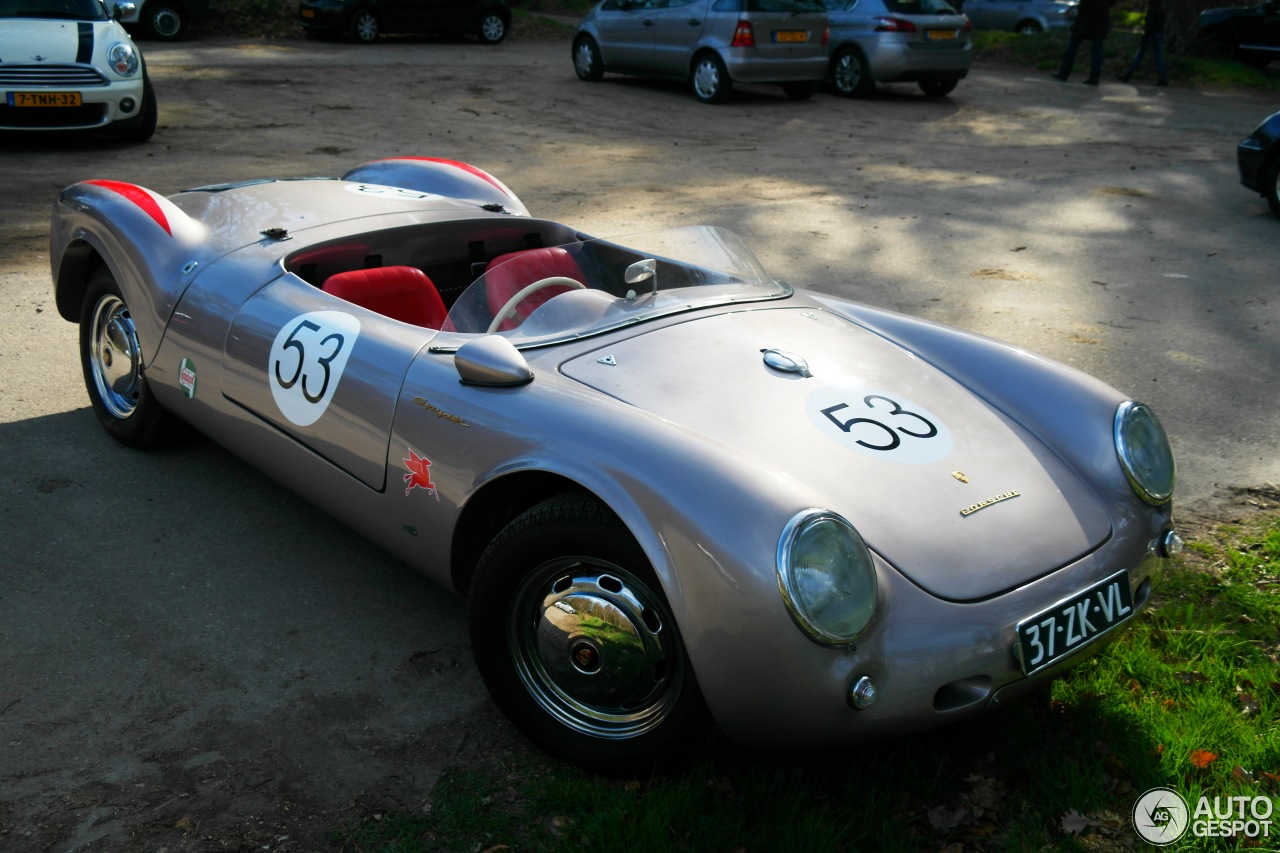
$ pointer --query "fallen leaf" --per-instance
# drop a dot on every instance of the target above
(185, 824)
(953, 847)
(1202, 758)
(1074, 823)
(1243, 775)
(1248, 704)
(1191, 677)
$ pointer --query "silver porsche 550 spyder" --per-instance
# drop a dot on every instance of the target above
(678, 495)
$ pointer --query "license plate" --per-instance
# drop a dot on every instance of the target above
(308, 13)
(44, 99)
(790, 36)
(1054, 633)
(940, 35)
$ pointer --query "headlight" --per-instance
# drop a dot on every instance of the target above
(1144, 452)
(826, 577)
(123, 59)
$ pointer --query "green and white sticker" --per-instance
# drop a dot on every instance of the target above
(187, 377)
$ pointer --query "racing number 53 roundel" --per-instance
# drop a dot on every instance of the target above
(880, 424)
(307, 360)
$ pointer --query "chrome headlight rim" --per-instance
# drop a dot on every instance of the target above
(799, 524)
(1153, 493)
(123, 59)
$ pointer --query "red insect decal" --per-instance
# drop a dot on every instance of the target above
(141, 198)
(419, 477)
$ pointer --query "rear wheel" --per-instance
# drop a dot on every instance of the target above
(851, 74)
(364, 26)
(163, 20)
(937, 88)
(111, 359)
(493, 28)
(576, 643)
(586, 59)
(710, 79)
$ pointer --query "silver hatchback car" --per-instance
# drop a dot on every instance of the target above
(710, 43)
(1027, 17)
(926, 42)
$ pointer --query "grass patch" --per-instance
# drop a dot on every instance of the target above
(1188, 698)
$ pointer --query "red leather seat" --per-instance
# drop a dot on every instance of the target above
(401, 293)
(506, 275)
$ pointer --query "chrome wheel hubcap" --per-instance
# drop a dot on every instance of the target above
(848, 73)
(492, 28)
(583, 59)
(115, 358)
(706, 79)
(595, 648)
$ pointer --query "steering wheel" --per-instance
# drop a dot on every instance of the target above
(510, 307)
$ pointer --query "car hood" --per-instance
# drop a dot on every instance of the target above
(952, 492)
(56, 42)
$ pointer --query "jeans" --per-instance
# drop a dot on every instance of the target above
(1154, 41)
(1069, 57)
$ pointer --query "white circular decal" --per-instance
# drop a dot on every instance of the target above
(386, 192)
(307, 360)
(879, 424)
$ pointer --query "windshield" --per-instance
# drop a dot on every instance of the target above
(551, 294)
(73, 10)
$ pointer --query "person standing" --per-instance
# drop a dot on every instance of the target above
(1093, 22)
(1153, 40)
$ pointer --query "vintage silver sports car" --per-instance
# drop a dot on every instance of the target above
(678, 494)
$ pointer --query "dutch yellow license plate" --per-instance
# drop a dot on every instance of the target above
(44, 99)
(940, 35)
(790, 36)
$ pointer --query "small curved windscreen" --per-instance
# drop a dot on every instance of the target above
(550, 294)
(66, 10)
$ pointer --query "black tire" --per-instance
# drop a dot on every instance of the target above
(937, 88)
(364, 26)
(800, 91)
(145, 126)
(587, 61)
(492, 29)
(851, 74)
(709, 79)
(163, 21)
(578, 647)
(1271, 185)
(1028, 28)
(114, 375)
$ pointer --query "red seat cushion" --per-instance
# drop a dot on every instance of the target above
(401, 293)
(506, 275)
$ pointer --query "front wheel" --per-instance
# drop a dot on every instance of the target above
(851, 74)
(937, 88)
(493, 28)
(111, 359)
(364, 26)
(586, 60)
(576, 643)
(1271, 185)
(710, 79)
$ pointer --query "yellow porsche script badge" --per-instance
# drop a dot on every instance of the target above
(972, 508)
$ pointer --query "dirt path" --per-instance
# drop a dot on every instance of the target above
(194, 659)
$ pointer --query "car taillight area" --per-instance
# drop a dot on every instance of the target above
(743, 35)
(894, 25)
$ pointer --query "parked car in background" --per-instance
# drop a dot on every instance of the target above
(164, 20)
(926, 42)
(711, 44)
(1259, 159)
(1026, 17)
(67, 65)
(365, 20)
(1250, 34)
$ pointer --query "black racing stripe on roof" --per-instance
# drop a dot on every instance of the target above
(84, 53)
